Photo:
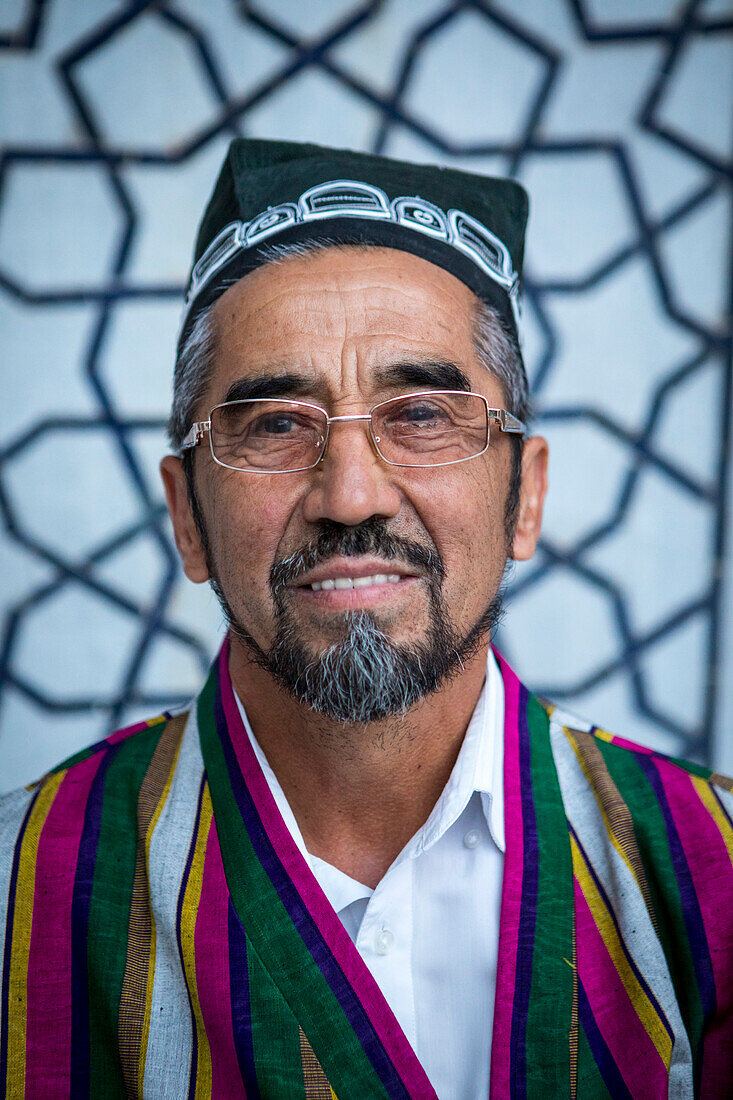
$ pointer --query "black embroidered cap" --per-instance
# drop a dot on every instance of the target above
(275, 192)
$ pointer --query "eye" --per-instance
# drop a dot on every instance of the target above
(274, 424)
(416, 413)
(420, 413)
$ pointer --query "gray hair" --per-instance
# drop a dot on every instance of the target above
(495, 348)
(193, 370)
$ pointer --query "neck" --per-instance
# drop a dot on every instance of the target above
(359, 792)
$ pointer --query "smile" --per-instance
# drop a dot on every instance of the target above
(354, 582)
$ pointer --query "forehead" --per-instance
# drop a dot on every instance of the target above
(345, 310)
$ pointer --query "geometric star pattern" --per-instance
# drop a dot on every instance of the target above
(615, 115)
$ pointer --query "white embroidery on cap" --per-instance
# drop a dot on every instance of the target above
(354, 199)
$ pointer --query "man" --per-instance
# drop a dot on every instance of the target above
(367, 862)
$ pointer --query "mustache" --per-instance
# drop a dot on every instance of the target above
(369, 537)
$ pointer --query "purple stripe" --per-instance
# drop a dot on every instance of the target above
(528, 910)
(4, 1015)
(241, 1007)
(179, 913)
(694, 923)
(629, 958)
(690, 905)
(80, 906)
(300, 915)
(607, 1067)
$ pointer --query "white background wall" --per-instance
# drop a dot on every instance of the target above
(616, 116)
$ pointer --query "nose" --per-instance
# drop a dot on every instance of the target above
(352, 483)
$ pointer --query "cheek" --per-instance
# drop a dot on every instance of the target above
(467, 512)
(263, 521)
(465, 518)
(248, 521)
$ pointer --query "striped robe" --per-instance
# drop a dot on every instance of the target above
(164, 937)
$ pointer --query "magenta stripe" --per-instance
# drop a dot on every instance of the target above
(211, 952)
(128, 731)
(632, 745)
(48, 1036)
(709, 863)
(511, 891)
(324, 916)
(631, 1047)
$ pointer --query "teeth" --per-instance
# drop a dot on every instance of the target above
(355, 582)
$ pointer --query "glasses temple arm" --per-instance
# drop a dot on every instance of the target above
(194, 435)
(508, 422)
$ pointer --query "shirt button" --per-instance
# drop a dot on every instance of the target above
(383, 941)
(471, 838)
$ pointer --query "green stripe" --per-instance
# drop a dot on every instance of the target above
(590, 1082)
(90, 750)
(551, 997)
(651, 835)
(275, 1035)
(274, 936)
(109, 912)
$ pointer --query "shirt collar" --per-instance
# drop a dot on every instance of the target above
(479, 767)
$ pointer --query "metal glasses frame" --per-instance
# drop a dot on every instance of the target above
(507, 423)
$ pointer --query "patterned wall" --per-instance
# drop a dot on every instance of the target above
(616, 116)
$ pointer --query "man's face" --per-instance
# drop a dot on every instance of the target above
(346, 329)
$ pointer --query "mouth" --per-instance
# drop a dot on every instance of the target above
(352, 583)
(331, 583)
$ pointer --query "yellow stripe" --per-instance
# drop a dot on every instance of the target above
(22, 927)
(712, 805)
(189, 912)
(635, 867)
(151, 962)
(573, 1037)
(643, 1007)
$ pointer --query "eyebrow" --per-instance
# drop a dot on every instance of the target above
(268, 385)
(437, 374)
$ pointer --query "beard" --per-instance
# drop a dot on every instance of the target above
(364, 676)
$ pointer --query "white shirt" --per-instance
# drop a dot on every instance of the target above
(429, 931)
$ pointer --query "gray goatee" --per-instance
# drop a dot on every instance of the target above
(364, 676)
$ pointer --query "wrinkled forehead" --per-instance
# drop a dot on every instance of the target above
(343, 291)
(365, 306)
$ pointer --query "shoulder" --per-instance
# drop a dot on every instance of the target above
(613, 747)
(669, 801)
(115, 767)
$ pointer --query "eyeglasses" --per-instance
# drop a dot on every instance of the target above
(273, 436)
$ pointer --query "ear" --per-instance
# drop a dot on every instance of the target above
(185, 531)
(531, 497)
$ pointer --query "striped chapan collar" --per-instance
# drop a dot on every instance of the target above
(311, 957)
